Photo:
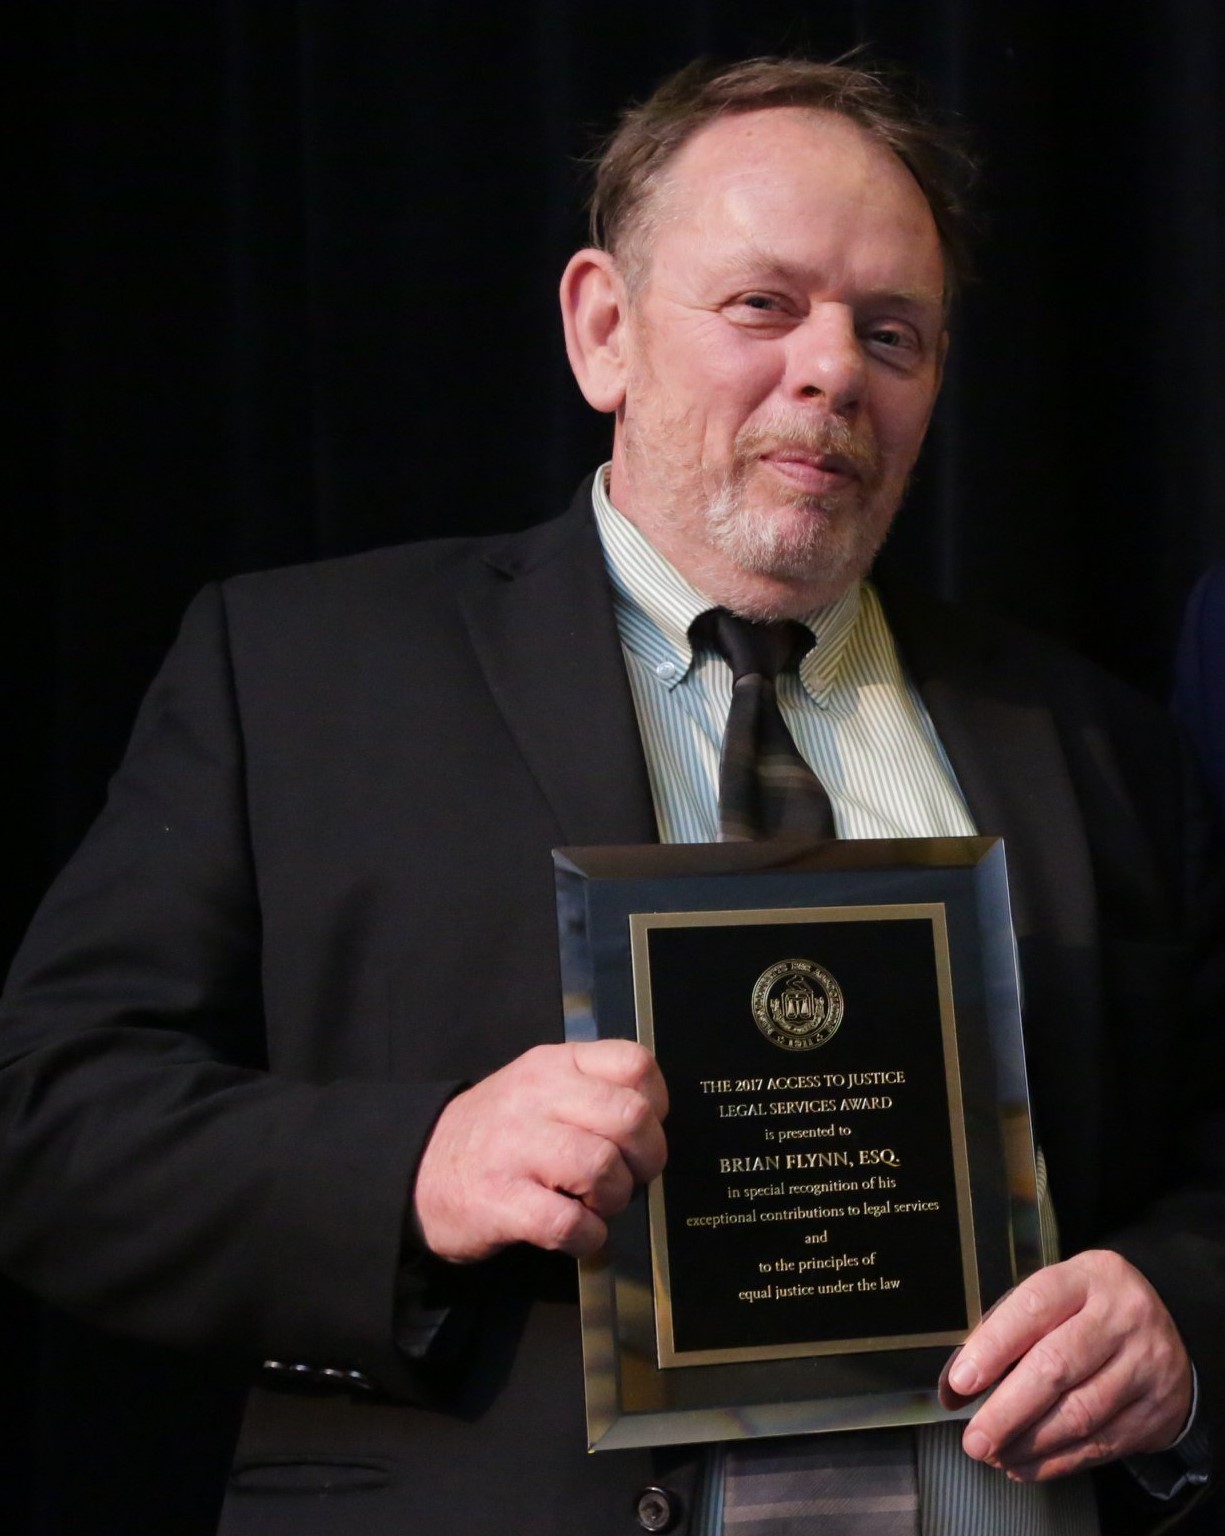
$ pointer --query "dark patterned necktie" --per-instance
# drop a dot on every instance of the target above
(858, 1482)
(765, 786)
(861, 1482)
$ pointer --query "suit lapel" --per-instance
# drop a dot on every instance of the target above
(539, 613)
(1002, 742)
(995, 721)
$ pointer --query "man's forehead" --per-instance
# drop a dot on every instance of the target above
(773, 187)
(749, 143)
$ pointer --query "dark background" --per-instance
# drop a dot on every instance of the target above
(285, 288)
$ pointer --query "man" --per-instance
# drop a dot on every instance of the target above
(252, 1106)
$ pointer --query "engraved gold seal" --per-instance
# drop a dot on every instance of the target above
(797, 1005)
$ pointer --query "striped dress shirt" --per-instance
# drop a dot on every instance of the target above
(858, 721)
(851, 711)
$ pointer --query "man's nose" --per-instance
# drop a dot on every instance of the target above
(826, 360)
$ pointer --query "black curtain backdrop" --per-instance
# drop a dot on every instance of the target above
(289, 273)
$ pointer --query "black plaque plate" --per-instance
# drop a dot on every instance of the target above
(851, 1176)
(817, 1194)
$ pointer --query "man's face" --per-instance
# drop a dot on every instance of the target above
(783, 357)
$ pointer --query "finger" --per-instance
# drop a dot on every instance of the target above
(620, 1115)
(949, 1399)
(1116, 1437)
(646, 1151)
(587, 1168)
(515, 1211)
(1045, 1376)
(639, 1140)
(627, 1063)
(1124, 1396)
(1026, 1314)
(555, 1221)
(1076, 1417)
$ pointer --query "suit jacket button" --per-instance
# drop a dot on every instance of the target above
(657, 1509)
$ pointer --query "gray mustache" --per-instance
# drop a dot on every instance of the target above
(832, 437)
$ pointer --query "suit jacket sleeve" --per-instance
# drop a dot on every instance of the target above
(159, 1180)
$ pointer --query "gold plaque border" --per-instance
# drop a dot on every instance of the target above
(641, 926)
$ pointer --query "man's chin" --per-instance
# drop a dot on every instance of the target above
(814, 545)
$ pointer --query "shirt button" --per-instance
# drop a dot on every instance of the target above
(657, 1509)
(666, 670)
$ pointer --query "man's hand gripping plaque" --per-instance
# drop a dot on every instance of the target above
(543, 1151)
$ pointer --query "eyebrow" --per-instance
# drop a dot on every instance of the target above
(770, 267)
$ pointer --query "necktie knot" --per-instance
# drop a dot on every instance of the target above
(765, 786)
(752, 648)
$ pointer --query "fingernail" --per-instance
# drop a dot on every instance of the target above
(976, 1444)
(963, 1377)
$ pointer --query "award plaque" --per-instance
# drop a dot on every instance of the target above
(851, 1177)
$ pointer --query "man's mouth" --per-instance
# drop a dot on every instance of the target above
(815, 474)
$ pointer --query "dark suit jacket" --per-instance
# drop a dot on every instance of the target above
(320, 897)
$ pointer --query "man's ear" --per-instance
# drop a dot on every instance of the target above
(594, 311)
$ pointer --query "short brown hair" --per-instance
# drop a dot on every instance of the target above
(651, 134)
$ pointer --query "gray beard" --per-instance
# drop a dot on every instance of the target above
(805, 551)
(831, 546)
(837, 539)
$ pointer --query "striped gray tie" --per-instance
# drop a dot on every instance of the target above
(765, 786)
(858, 1483)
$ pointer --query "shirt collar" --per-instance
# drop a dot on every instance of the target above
(656, 605)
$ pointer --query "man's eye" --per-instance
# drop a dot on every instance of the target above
(893, 338)
(761, 311)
